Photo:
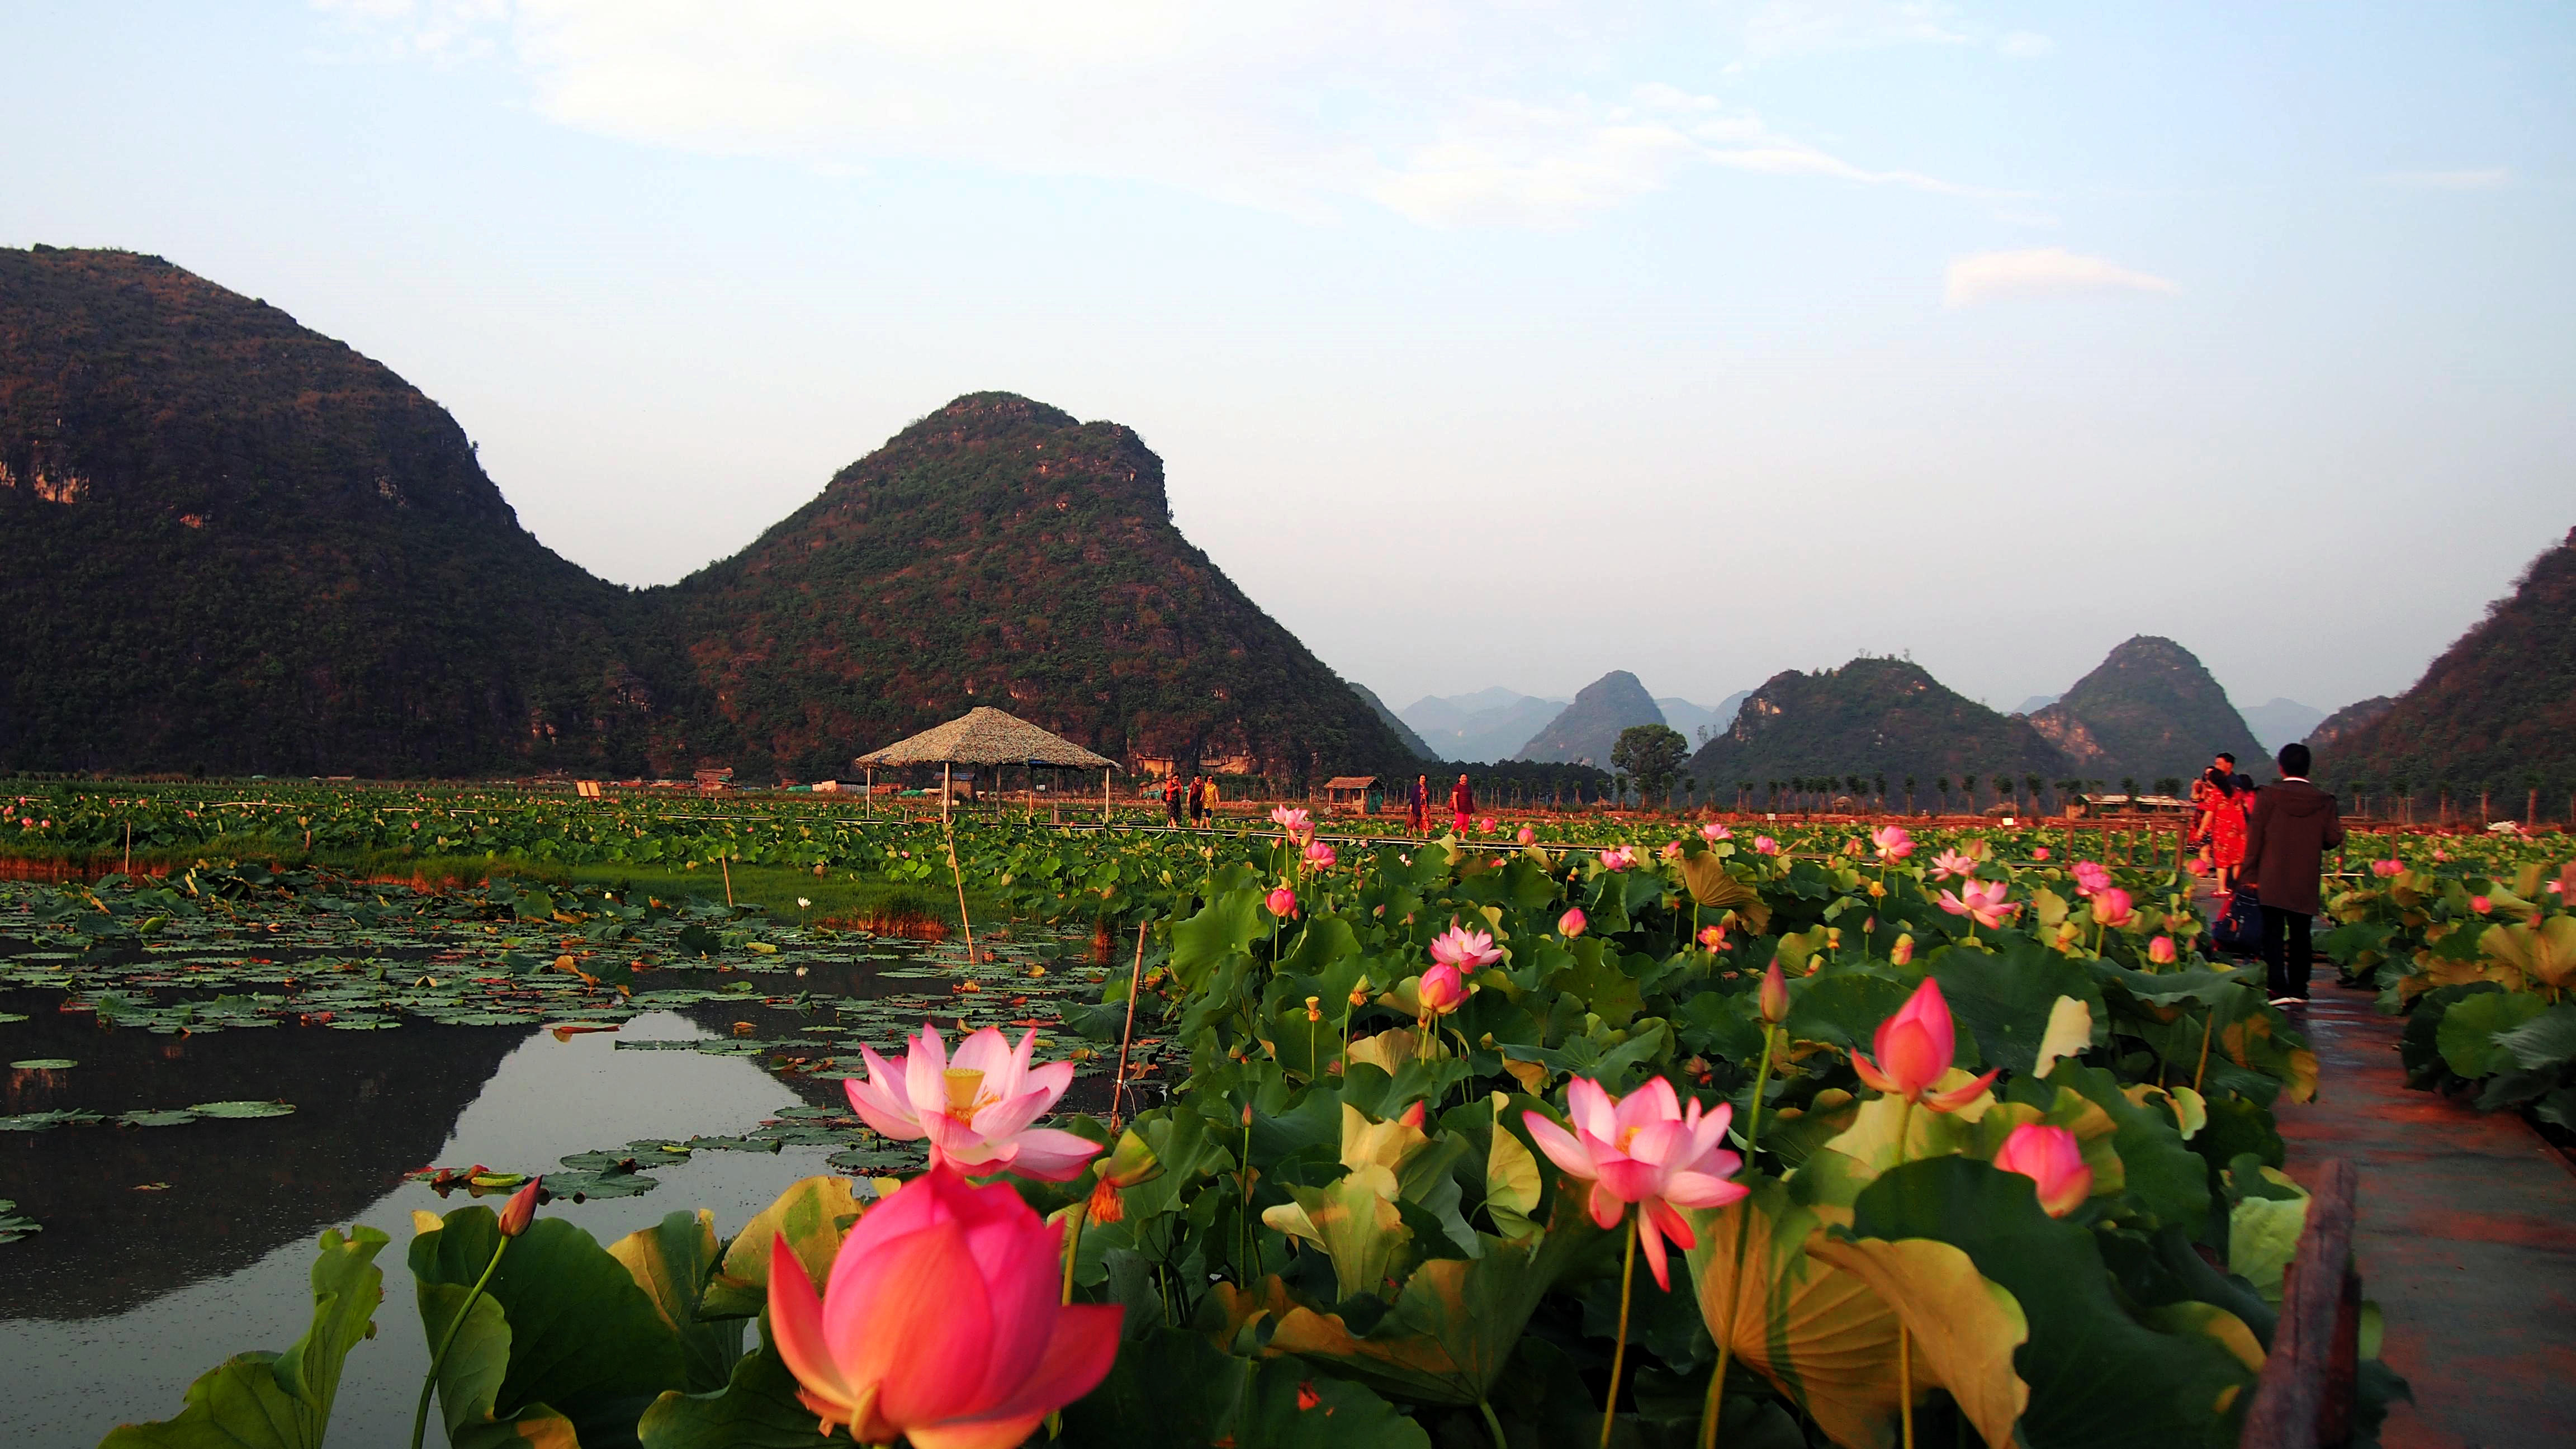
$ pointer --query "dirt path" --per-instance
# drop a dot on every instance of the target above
(2466, 1237)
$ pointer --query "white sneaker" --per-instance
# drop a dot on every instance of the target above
(2287, 1000)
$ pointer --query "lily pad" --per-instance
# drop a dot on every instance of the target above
(242, 1109)
(171, 1118)
(45, 1064)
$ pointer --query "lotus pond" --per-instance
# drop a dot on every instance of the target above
(1998, 1158)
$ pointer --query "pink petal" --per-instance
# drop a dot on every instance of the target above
(984, 1050)
(1006, 1118)
(877, 1103)
(925, 1072)
(1959, 1096)
(1653, 1242)
(1080, 1351)
(796, 1330)
(1871, 1077)
(1607, 1206)
(1559, 1145)
(1672, 1224)
(1653, 1102)
(1628, 1179)
(932, 1328)
(1658, 1143)
(1049, 1155)
(1589, 1108)
(1703, 1189)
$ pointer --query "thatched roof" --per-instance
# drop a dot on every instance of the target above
(986, 736)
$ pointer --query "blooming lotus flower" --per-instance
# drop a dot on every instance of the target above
(1892, 842)
(1672, 850)
(1765, 845)
(2090, 877)
(1319, 855)
(1293, 820)
(1463, 949)
(1571, 924)
(2161, 950)
(1282, 902)
(2050, 1157)
(1715, 833)
(1713, 937)
(1913, 1050)
(1618, 857)
(1981, 901)
(1526, 836)
(1774, 999)
(975, 1108)
(1644, 1149)
(941, 1322)
(2112, 907)
(1951, 865)
(2391, 866)
(1441, 991)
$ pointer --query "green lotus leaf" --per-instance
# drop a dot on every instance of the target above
(45, 1064)
(242, 1109)
(1172, 1390)
(672, 1262)
(2469, 1030)
(813, 1214)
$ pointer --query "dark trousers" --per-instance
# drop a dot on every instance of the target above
(2287, 953)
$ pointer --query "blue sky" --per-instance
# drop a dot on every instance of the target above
(1483, 344)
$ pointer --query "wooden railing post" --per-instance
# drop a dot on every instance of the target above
(2305, 1396)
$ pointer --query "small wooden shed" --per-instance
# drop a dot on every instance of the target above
(1356, 793)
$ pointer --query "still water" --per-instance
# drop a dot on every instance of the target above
(165, 1250)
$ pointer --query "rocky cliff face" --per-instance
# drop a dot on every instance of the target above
(2148, 711)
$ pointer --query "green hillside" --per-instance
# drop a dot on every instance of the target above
(1871, 718)
(1584, 732)
(2495, 710)
(2149, 711)
(241, 547)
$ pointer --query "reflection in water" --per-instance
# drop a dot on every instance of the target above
(126, 1296)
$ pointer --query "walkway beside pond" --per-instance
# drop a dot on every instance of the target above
(2466, 1238)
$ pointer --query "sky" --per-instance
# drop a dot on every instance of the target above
(1483, 344)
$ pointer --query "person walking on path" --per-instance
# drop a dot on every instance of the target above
(1462, 803)
(1172, 798)
(1207, 801)
(1198, 800)
(2223, 805)
(2294, 824)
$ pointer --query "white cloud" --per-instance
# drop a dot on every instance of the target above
(2025, 45)
(2042, 271)
(2486, 179)
(1441, 110)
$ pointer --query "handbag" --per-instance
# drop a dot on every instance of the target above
(2240, 926)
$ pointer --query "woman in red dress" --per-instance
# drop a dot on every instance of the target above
(2223, 807)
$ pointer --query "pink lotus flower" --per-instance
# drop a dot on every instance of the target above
(1713, 938)
(1951, 865)
(1715, 833)
(2481, 904)
(2113, 908)
(1320, 856)
(1892, 842)
(2389, 867)
(2040, 853)
(1486, 825)
(1643, 1149)
(1441, 991)
(1571, 924)
(1463, 949)
(940, 1323)
(2438, 856)
(1774, 998)
(1980, 900)
(2050, 1157)
(1672, 850)
(1765, 845)
(1914, 1048)
(2091, 877)
(1282, 902)
(1526, 836)
(1292, 819)
(1618, 857)
(975, 1109)
(2161, 950)
(1902, 953)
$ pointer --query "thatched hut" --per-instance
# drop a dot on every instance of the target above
(987, 737)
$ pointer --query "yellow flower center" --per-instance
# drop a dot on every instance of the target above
(964, 1086)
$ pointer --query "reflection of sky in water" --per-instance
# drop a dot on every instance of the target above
(69, 1382)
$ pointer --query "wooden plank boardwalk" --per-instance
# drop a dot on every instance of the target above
(2466, 1238)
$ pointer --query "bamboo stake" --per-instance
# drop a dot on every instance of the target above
(1135, 974)
(725, 863)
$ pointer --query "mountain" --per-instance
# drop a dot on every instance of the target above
(2149, 711)
(2329, 732)
(2497, 708)
(1871, 717)
(1485, 726)
(1692, 719)
(237, 545)
(1403, 732)
(240, 546)
(1586, 730)
(2281, 721)
(2037, 702)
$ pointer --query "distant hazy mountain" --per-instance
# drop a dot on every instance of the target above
(2037, 702)
(2148, 711)
(2334, 728)
(1485, 726)
(2281, 721)
(1871, 717)
(1589, 727)
(1414, 742)
(1691, 718)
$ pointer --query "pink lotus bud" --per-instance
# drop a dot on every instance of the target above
(2112, 907)
(1413, 1115)
(2050, 1157)
(1486, 825)
(1570, 925)
(2161, 950)
(1440, 991)
(1775, 995)
(2389, 867)
(1902, 953)
(1715, 833)
(521, 1210)
(1526, 836)
(1914, 1049)
(2040, 853)
(2481, 904)
(1282, 902)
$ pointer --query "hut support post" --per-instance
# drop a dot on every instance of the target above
(947, 788)
(1104, 797)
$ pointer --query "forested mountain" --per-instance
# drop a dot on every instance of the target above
(241, 546)
(1872, 717)
(2497, 710)
(1404, 734)
(2149, 711)
(1585, 731)
(2347, 721)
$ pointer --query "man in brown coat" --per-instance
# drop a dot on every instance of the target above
(2293, 825)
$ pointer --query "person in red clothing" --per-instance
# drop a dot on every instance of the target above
(2223, 804)
(1421, 821)
(1462, 803)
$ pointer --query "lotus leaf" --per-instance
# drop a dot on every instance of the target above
(812, 1214)
(672, 1262)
